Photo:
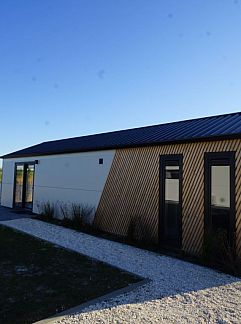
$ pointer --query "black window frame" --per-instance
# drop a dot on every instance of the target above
(175, 160)
(219, 159)
(25, 164)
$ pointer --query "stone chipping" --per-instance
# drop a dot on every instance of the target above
(178, 291)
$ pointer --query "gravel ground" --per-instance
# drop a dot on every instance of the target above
(179, 292)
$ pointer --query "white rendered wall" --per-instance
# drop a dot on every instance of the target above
(7, 183)
(63, 178)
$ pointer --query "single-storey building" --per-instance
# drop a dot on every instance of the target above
(176, 180)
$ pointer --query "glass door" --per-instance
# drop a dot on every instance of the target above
(24, 185)
(220, 193)
(18, 191)
(170, 222)
(29, 182)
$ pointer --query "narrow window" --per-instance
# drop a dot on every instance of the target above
(220, 193)
(170, 222)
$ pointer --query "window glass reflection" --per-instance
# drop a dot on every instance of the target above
(29, 186)
(220, 186)
(19, 184)
(172, 183)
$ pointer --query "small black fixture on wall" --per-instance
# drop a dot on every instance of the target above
(101, 161)
(36, 161)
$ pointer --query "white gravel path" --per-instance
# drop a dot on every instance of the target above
(179, 292)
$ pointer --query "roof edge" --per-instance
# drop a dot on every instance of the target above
(181, 141)
(147, 126)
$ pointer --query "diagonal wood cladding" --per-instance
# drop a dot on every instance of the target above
(132, 190)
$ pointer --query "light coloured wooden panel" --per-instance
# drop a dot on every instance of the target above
(132, 190)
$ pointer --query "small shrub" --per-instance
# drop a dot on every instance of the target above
(80, 215)
(66, 220)
(139, 233)
(217, 251)
(145, 234)
(47, 210)
(87, 212)
(131, 231)
(76, 216)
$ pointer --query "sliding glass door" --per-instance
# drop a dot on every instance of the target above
(24, 185)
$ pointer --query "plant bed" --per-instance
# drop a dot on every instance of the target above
(179, 254)
(90, 230)
(39, 279)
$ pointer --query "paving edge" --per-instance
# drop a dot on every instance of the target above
(79, 308)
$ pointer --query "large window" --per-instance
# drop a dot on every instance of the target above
(220, 193)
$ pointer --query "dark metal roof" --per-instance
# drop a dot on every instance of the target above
(207, 128)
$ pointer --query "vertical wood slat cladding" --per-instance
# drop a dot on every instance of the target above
(132, 190)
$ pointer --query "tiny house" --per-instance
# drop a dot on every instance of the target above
(176, 180)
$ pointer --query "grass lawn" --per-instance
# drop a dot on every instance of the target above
(38, 279)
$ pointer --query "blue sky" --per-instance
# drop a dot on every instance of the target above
(75, 67)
